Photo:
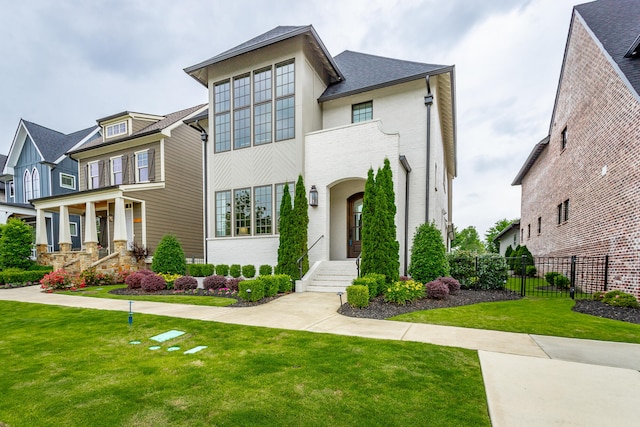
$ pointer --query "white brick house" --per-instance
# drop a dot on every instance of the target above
(280, 105)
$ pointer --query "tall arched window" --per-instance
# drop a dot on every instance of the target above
(27, 186)
(35, 180)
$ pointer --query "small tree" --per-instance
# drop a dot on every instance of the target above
(169, 257)
(428, 254)
(369, 240)
(300, 222)
(286, 248)
(15, 244)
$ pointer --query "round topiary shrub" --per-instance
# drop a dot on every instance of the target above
(358, 296)
(214, 282)
(265, 270)
(169, 256)
(248, 271)
(550, 276)
(134, 280)
(235, 270)
(452, 284)
(222, 270)
(428, 254)
(152, 283)
(185, 283)
(437, 289)
(562, 282)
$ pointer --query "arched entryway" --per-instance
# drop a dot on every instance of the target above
(354, 223)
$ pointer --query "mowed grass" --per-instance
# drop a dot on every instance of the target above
(103, 292)
(71, 367)
(530, 315)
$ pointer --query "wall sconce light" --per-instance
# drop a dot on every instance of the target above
(110, 218)
(313, 196)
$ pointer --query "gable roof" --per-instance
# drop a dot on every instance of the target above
(53, 144)
(278, 34)
(157, 127)
(365, 72)
(531, 160)
(616, 25)
(514, 225)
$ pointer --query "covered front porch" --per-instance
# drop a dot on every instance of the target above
(109, 222)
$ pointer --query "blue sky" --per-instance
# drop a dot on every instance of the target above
(67, 63)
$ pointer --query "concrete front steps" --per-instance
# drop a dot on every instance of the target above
(328, 276)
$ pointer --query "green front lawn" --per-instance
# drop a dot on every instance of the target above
(530, 315)
(103, 292)
(72, 367)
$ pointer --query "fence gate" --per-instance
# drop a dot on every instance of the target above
(574, 277)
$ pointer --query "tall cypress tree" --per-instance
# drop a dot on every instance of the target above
(368, 241)
(286, 249)
(301, 224)
(389, 247)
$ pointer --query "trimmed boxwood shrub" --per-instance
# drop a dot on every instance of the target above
(271, 285)
(214, 282)
(492, 271)
(235, 270)
(550, 277)
(265, 270)
(428, 254)
(437, 289)
(38, 267)
(284, 283)
(222, 270)
(248, 271)
(369, 282)
(452, 284)
(532, 271)
(200, 270)
(358, 296)
(380, 279)
(256, 287)
(462, 267)
(152, 283)
(617, 298)
(134, 280)
(184, 283)
(16, 275)
(562, 282)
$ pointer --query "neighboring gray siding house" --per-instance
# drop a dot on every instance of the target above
(37, 166)
(137, 181)
(510, 236)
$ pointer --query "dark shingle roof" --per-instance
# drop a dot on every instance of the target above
(273, 36)
(53, 144)
(156, 127)
(364, 72)
(3, 161)
(531, 160)
(616, 24)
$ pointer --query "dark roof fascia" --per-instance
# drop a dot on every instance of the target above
(233, 53)
(202, 116)
(533, 156)
(632, 52)
(444, 70)
(510, 227)
(113, 116)
(118, 141)
(17, 205)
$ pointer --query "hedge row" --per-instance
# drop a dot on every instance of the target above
(234, 270)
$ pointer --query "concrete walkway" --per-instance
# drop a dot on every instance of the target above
(530, 380)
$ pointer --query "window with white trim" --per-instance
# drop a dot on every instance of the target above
(12, 189)
(142, 166)
(67, 181)
(73, 229)
(262, 107)
(242, 211)
(362, 112)
(222, 116)
(27, 186)
(116, 170)
(285, 101)
(263, 208)
(242, 112)
(35, 182)
(223, 213)
(93, 175)
(116, 129)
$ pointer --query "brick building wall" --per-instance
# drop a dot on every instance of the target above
(598, 171)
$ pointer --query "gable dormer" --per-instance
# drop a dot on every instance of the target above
(125, 124)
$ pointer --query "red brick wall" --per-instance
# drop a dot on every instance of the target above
(602, 118)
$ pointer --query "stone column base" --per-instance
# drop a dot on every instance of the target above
(65, 247)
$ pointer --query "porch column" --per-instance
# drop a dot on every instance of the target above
(42, 243)
(90, 232)
(64, 239)
(119, 226)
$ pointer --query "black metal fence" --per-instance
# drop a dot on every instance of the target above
(573, 276)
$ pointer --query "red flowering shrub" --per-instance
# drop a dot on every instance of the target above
(185, 282)
(58, 279)
(152, 283)
(452, 284)
(215, 282)
(134, 280)
(121, 276)
(436, 289)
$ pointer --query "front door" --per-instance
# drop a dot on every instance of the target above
(354, 207)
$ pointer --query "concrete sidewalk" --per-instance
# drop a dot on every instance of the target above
(529, 380)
